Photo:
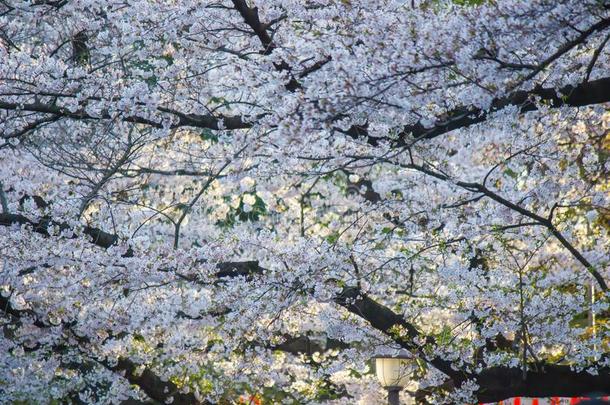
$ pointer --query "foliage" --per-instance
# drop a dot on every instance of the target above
(229, 201)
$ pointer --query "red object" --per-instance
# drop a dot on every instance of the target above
(517, 401)
(249, 400)
(535, 401)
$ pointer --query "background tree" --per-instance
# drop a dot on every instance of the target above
(203, 201)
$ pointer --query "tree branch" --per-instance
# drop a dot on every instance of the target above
(191, 120)
(591, 92)
(98, 237)
(495, 383)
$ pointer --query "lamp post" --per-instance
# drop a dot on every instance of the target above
(393, 374)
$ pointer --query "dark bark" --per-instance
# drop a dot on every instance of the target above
(98, 237)
(236, 269)
(251, 18)
(402, 332)
(80, 49)
(147, 380)
(593, 92)
(308, 345)
(499, 383)
(152, 384)
(184, 119)
(496, 383)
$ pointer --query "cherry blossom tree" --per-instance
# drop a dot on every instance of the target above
(214, 201)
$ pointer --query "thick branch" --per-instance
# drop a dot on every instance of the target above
(496, 383)
(499, 383)
(593, 92)
(98, 237)
(191, 120)
(152, 384)
(251, 18)
(387, 321)
(145, 379)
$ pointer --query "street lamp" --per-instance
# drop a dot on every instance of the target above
(393, 374)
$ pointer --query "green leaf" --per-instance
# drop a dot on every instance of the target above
(208, 135)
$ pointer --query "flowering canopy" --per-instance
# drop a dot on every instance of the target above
(205, 201)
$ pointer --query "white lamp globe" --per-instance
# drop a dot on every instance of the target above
(393, 371)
